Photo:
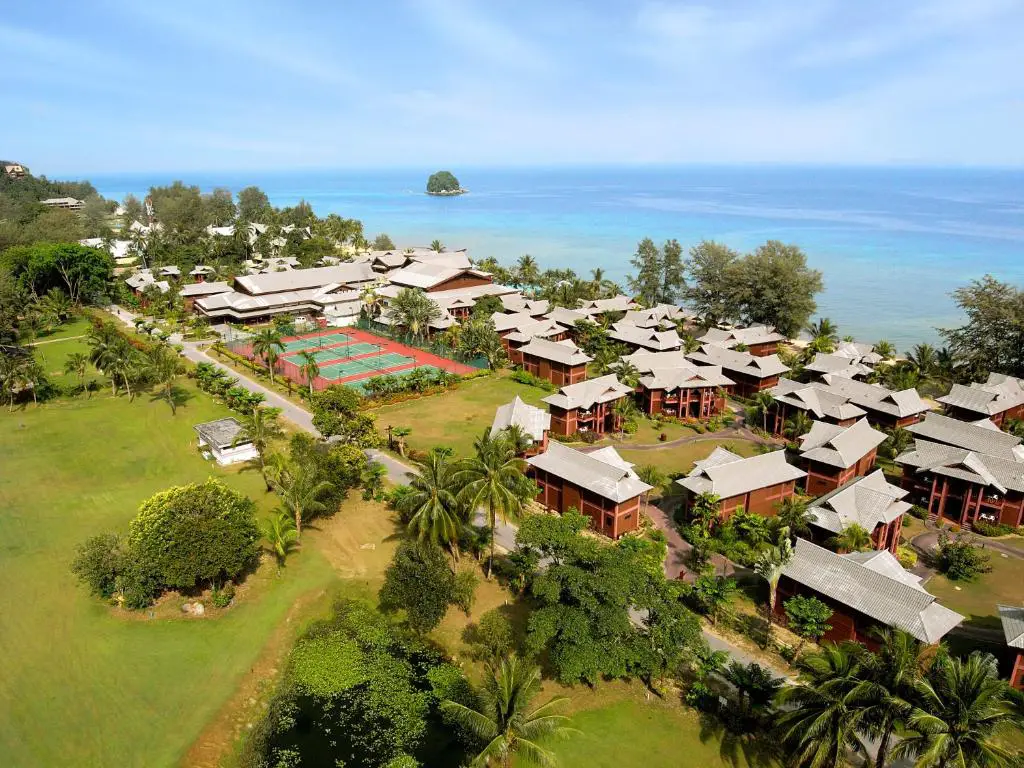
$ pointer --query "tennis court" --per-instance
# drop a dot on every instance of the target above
(360, 365)
(335, 353)
(320, 340)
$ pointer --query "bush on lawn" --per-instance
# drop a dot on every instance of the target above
(906, 556)
(959, 559)
(993, 529)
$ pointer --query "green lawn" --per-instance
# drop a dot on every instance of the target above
(681, 458)
(977, 599)
(81, 684)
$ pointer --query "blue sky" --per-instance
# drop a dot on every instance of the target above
(224, 85)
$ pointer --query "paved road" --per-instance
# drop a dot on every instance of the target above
(929, 540)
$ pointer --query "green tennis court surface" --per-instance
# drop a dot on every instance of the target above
(364, 364)
(336, 353)
(335, 337)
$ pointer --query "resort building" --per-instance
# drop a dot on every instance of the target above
(334, 292)
(141, 280)
(600, 485)
(535, 423)
(1012, 618)
(834, 455)
(560, 362)
(686, 391)
(885, 408)
(838, 365)
(858, 352)
(67, 203)
(568, 317)
(651, 339)
(123, 251)
(815, 400)
(14, 170)
(751, 373)
(618, 303)
(757, 484)
(759, 340)
(965, 485)
(663, 316)
(191, 292)
(998, 399)
(516, 302)
(982, 436)
(587, 406)
(866, 591)
(432, 277)
(871, 502)
(225, 441)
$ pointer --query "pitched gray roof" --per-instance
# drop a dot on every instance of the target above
(1012, 617)
(647, 361)
(755, 334)
(533, 420)
(998, 394)
(559, 351)
(740, 362)
(960, 463)
(648, 338)
(618, 303)
(204, 289)
(837, 364)
(867, 501)
(299, 279)
(587, 394)
(568, 317)
(840, 446)
(603, 472)
(693, 377)
(221, 433)
(818, 399)
(427, 275)
(726, 474)
(873, 397)
(972, 436)
(871, 590)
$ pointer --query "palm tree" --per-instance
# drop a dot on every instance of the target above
(898, 441)
(854, 538)
(792, 514)
(431, 504)
(526, 270)
(414, 311)
(822, 717)
(372, 479)
(690, 343)
(400, 433)
(769, 566)
(299, 488)
(493, 478)
(268, 345)
(261, 427)
(825, 332)
(162, 366)
(923, 358)
(517, 438)
(755, 686)
(627, 373)
(55, 305)
(885, 349)
(945, 364)
(624, 409)
(502, 720)
(653, 476)
(310, 368)
(798, 424)
(77, 364)
(371, 303)
(963, 711)
(762, 406)
(11, 367)
(281, 534)
(436, 246)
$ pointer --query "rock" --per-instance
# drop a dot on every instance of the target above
(186, 607)
(198, 609)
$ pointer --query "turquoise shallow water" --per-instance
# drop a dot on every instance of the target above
(892, 243)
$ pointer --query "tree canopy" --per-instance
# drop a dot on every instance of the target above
(992, 339)
(443, 182)
(79, 271)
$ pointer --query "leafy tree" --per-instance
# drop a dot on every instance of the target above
(492, 635)
(336, 413)
(712, 288)
(853, 538)
(992, 339)
(442, 182)
(420, 582)
(501, 718)
(280, 534)
(254, 206)
(673, 269)
(776, 287)
(649, 265)
(808, 618)
(97, 563)
(959, 559)
(431, 506)
(382, 243)
(80, 271)
(195, 534)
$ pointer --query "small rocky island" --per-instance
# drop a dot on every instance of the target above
(444, 184)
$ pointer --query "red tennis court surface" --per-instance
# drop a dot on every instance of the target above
(350, 356)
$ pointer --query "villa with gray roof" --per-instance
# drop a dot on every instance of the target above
(751, 373)
(226, 442)
(866, 591)
(963, 486)
(587, 406)
(834, 455)
(885, 408)
(982, 436)
(757, 484)
(837, 364)
(432, 277)
(618, 303)
(871, 502)
(760, 340)
(685, 391)
(600, 484)
(533, 421)
(635, 337)
(560, 362)
(999, 398)
(814, 399)
(516, 302)
(1012, 619)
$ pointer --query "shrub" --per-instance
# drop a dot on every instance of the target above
(492, 636)
(589, 437)
(662, 437)
(919, 512)
(465, 590)
(959, 559)
(906, 556)
(98, 562)
(525, 377)
(222, 597)
(993, 529)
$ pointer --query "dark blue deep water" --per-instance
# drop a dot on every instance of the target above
(891, 242)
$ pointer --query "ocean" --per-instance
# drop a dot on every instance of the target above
(892, 243)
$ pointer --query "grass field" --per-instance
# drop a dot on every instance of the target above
(977, 599)
(681, 458)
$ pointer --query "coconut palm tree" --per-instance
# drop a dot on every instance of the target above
(898, 441)
(414, 311)
(854, 538)
(885, 349)
(299, 487)
(431, 504)
(371, 303)
(761, 407)
(77, 365)
(825, 332)
(310, 368)
(10, 376)
(280, 532)
(55, 305)
(493, 478)
(400, 433)
(527, 273)
(963, 711)
(261, 428)
(625, 410)
(502, 719)
(436, 246)
(372, 479)
(822, 718)
(792, 513)
(769, 566)
(163, 367)
(267, 344)
(902, 376)
(627, 373)
(923, 357)
(798, 424)
(517, 438)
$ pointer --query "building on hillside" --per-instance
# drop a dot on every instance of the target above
(838, 365)
(438, 277)
(560, 362)
(535, 423)
(885, 408)
(651, 339)
(618, 303)
(588, 406)
(964, 486)
(866, 591)
(14, 170)
(228, 231)
(760, 340)
(982, 436)
(751, 373)
(67, 203)
(815, 400)
(757, 484)
(871, 502)
(599, 484)
(124, 252)
(686, 392)
(998, 399)
(226, 441)
(834, 455)
(1012, 619)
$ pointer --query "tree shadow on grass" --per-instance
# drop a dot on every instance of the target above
(738, 747)
(179, 396)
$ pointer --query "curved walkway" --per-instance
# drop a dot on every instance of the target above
(928, 541)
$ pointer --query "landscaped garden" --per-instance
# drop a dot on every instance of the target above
(977, 599)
